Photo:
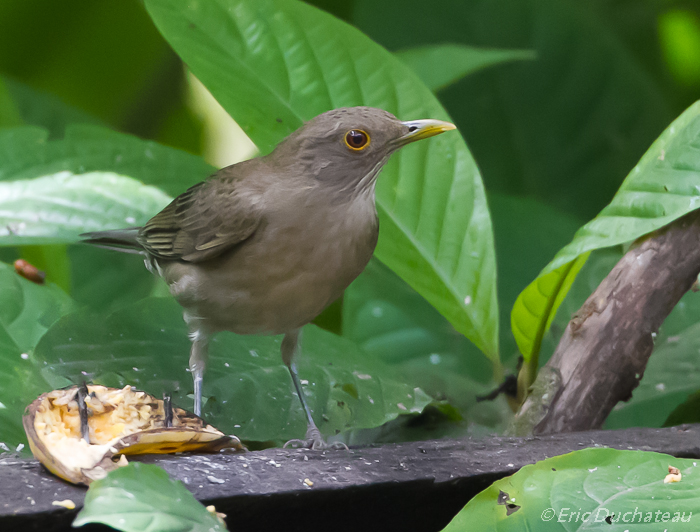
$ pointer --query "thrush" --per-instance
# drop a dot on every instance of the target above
(263, 246)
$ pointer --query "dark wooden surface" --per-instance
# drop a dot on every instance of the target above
(409, 486)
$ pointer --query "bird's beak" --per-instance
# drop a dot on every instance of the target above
(422, 129)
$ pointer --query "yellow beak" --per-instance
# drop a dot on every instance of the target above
(422, 129)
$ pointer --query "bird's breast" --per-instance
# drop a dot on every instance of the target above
(297, 263)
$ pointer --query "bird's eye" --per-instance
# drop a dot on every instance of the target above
(356, 139)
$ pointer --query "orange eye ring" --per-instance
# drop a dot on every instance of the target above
(356, 139)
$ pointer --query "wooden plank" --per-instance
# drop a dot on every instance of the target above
(406, 486)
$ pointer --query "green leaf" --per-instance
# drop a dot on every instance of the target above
(596, 268)
(537, 305)
(25, 153)
(441, 65)
(563, 129)
(29, 309)
(392, 321)
(15, 370)
(672, 373)
(105, 280)
(57, 208)
(686, 412)
(580, 490)
(9, 114)
(663, 186)
(51, 259)
(394, 324)
(38, 108)
(274, 63)
(143, 498)
(249, 391)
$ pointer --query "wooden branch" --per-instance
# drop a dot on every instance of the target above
(602, 355)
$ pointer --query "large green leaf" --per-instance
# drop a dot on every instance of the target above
(105, 280)
(592, 489)
(393, 323)
(57, 208)
(143, 498)
(29, 159)
(564, 128)
(275, 63)
(249, 391)
(25, 153)
(663, 186)
(537, 305)
(27, 310)
(440, 65)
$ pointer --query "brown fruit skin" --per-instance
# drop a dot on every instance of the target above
(194, 434)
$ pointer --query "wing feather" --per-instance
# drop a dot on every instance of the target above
(203, 222)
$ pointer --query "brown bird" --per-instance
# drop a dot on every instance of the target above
(263, 246)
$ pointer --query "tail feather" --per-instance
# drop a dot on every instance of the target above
(124, 240)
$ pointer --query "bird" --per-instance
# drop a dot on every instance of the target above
(265, 245)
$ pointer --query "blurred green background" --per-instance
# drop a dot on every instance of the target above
(554, 136)
(562, 130)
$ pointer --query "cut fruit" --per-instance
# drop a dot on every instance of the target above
(115, 422)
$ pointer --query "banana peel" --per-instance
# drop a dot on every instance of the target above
(115, 422)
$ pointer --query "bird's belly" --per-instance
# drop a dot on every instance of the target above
(263, 289)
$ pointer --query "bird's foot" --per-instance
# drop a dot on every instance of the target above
(315, 441)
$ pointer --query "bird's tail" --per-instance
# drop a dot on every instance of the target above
(119, 240)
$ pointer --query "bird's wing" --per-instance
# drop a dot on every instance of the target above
(201, 223)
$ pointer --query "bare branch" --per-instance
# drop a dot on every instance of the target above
(605, 348)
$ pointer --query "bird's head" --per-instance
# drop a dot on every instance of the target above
(346, 148)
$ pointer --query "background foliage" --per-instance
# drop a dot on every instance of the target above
(102, 121)
(557, 101)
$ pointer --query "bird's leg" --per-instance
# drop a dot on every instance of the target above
(290, 347)
(199, 354)
(198, 363)
(313, 439)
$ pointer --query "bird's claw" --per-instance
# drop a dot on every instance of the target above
(314, 441)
